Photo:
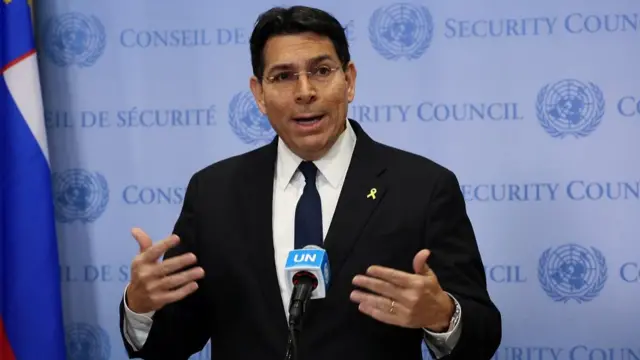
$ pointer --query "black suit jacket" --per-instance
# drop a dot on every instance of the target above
(226, 221)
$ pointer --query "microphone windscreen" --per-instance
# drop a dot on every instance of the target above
(312, 259)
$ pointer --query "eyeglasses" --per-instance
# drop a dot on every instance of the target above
(318, 76)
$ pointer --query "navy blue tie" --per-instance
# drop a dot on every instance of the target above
(308, 226)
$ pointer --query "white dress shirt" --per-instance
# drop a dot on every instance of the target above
(288, 186)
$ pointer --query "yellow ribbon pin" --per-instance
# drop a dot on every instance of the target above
(372, 193)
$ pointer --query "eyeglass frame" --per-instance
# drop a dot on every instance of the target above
(310, 74)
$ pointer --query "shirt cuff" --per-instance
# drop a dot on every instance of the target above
(443, 343)
(136, 326)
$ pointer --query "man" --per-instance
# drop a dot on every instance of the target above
(405, 266)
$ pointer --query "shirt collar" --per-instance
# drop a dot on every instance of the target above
(333, 166)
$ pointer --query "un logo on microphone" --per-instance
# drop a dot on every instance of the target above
(87, 342)
(79, 195)
(74, 39)
(572, 272)
(401, 31)
(570, 107)
(247, 122)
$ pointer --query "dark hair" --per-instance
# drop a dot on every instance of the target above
(295, 20)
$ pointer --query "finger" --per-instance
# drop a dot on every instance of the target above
(378, 286)
(380, 315)
(167, 297)
(176, 263)
(177, 280)
(143, 240)
(379, 302)
(393, 276)
(420, 262)
(155, 252)
(378, 307)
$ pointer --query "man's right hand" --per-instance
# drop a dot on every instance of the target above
(154, 284)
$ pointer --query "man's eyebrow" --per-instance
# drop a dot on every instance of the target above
(287, 66)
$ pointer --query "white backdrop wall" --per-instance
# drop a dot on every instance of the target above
(534, 105)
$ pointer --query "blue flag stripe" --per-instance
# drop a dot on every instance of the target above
(30, 294)
(16, 33)
(31, 299)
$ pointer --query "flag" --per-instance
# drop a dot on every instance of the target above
(31, 322)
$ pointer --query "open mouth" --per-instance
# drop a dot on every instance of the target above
(308, 120)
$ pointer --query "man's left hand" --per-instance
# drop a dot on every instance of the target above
(404, 299)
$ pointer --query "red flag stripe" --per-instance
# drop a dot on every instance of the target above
(5, 348)
(9, 65)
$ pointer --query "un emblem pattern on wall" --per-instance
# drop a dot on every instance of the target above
(572, 272)
(401, 30)
(79, 195)
(560, 107)
(87, 342)
(74, 39)
(247, 122)
(570, 107)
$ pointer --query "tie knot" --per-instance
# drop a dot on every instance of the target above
(309, 170)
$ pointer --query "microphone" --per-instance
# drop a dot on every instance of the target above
(307, 277)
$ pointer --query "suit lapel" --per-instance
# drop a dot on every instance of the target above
(363, 191)
(258, 211)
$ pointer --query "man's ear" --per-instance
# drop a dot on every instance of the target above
(350, 76)
(258, 93)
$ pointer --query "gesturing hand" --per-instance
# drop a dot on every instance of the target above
(404, 299)
(155, 284)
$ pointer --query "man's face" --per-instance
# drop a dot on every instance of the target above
(307, 111)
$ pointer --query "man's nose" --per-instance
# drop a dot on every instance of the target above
(305, 90)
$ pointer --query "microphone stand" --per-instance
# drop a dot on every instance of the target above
(297, 306)
(292, 344)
